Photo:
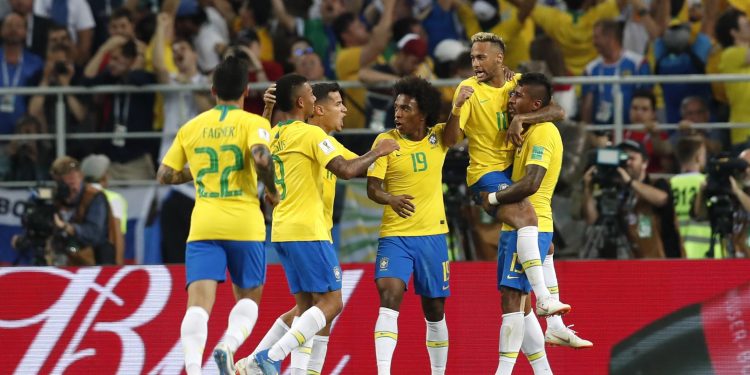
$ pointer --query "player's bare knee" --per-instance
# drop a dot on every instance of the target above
(391, 298)
(434, 309)
(511, 300)
(551, 250)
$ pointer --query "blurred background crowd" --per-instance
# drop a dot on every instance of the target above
(84, 43)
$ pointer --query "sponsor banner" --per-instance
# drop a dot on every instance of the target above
(126, 320)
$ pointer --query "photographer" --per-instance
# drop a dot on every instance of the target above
(82, 226)
(628, 214)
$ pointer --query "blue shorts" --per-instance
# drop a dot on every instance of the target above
(209, 260)
(425, 256)
(509, 270)
(491, 182)
(310, 266)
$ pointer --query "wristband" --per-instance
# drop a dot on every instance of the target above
(456, 111)
(492, 197)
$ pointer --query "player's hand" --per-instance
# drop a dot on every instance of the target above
(402, 205)
(272, 199)
(464, 93)
(515, 132)
(387, 146)
(486, 201)
(269, 97)
(508, 73)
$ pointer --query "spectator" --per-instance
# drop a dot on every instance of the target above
(545, 50)
(694, 110)
(359, 49)
(19, 67)
(121, 24)
(438, 22)
(512, 24)
(260, 71)
(642, 25)
(640, 225)
(94, 169)
(654, 141)
(59, 35)
(598, 100)
(675, 53)
(29, 159)
(411, 53)
(59, 71)
(121, 113)
(309, 65)
(193, 23)
(733, 32)
(76, 15)
(36, 26)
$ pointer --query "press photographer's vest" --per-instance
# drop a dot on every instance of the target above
(695, 235)
(89, 193)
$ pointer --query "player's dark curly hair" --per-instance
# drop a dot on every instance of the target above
(424, 93)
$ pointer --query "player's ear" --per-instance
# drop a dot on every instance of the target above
(318, 110)
(213, 90)
(300, 103)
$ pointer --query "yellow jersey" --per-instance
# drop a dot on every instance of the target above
(484, 120)
(542, 146)
(216, 144)
(574, 33)
(301, 152)
(734, 61)
(329, 186)
(417, 170)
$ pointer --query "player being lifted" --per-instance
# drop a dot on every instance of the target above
(227, 152)
(300, 231)
(536, 169)
(479, 113)
(328, 114)
(412, 234)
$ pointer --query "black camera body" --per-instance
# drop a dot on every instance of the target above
(719, 197)
(607, 160)
(38, 222)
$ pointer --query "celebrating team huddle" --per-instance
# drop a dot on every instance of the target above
(227, 151)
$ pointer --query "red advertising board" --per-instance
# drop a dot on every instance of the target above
(643, 317)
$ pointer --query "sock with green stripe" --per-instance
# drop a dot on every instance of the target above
(533, 345)
(242, 319)
(386, 337)
(511, 338)
(437, 345)
(550, 279)
(318, 356)
(301, 356)
(528, 254)
(308, 324)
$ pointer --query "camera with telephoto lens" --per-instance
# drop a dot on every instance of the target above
(719, 197)
(607, 160)
(38, 224)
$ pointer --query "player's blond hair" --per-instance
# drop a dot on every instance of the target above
(489, 38)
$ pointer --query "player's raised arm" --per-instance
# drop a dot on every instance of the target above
(169, 176)
(348, 169)
(452, 132)
(549, 113)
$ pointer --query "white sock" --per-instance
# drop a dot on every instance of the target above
(242, 319)
(277, 331)
(308, 324)
(193, 334)
(528, 255)
(301, 355)
(437, 345)
(550, 279)
(318, 356)
(533, 345)
(511, 338)
(386, 337)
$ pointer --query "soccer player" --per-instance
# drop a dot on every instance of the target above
(536, 168)
(217, 145)
(328, 114)
(412, 234)
(300, 231)
(480, 114)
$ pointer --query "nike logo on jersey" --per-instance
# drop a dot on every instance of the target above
(482, 101)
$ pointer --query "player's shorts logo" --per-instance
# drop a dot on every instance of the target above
(337, 272)
(383, 263)
(502, 187)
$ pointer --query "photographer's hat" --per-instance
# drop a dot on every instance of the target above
(94, 167)
(631, 145)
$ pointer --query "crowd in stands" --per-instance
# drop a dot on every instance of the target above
(61, 43)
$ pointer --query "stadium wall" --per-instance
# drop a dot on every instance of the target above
(645, 317)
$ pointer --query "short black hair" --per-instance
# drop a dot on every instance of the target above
(648, 94)
(230, 78)
(341, 23)
(129, 49)
(540, 81)
(286, 90)
(121, 13)
(729, 20)
(611, 27)
(322, 89)
(402, 27)
(424, 93)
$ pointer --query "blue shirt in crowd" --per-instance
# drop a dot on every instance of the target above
(27, 73)
(630, 63)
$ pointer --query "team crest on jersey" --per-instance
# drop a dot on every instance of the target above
(337, 272)
(383, 263)
(502, 187)
(433, 139)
